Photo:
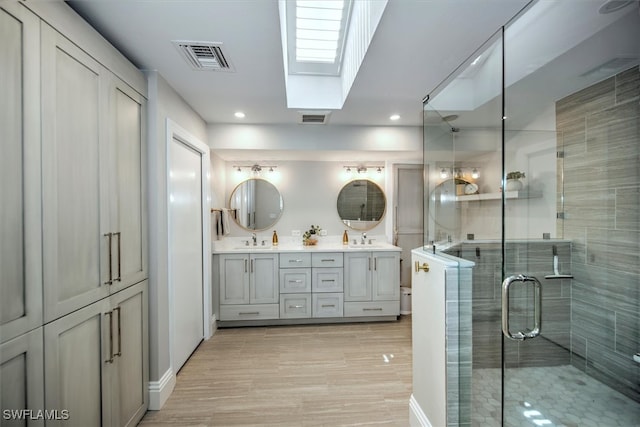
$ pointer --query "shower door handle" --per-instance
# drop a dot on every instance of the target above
(537, 308)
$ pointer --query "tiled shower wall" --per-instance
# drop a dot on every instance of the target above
(533, 258)
(601, 166)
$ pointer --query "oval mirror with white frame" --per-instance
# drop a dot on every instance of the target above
(256, 204)
(361, 204)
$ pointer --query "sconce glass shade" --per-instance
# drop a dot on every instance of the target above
(475, 174)
(443, 173)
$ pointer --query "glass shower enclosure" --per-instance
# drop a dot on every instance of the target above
(533, 153)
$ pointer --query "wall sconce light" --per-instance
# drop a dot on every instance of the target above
(256, 169)
(459, 172)
(362, 169)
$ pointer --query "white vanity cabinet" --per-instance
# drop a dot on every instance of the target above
(295, 285)
(372, 284)
(311, 285)
(249, 286)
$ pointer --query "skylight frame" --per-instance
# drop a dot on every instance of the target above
(313, 65)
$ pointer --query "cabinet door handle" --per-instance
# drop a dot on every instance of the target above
(119, 278)
(375, 264)
(252, 266)
(110, 281)
(119, 353)
(110, 359)
(369, 263)
(245, 265)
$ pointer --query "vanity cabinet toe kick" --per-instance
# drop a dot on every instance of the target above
(282, 288)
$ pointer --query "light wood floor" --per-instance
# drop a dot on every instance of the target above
(328, 375)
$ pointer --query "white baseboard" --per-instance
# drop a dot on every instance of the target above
(417, 417)
(159, 391)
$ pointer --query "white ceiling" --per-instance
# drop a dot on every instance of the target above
(417, 44)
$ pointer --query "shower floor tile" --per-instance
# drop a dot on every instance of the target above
(549, 396)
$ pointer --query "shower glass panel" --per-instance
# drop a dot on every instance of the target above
(571, 126)
(533, 152)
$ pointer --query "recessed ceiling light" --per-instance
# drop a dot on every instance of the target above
(239, 114)
(394, 117)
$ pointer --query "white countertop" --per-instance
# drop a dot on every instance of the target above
(288, 244)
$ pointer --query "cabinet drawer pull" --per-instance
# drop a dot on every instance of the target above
(295, 260)
(119, 353)
(328, 260)
(328, 305)
(372, 309)
(296, 306)
(295, 281)
(248, 313)
(110, 359)
(328, 280)
(110, 281)
(119, 278)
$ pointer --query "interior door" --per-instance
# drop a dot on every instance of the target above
(408, 215)
(185, 250)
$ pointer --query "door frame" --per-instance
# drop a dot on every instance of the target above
(175, 131)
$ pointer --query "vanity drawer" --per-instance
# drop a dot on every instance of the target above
(249, 312)
(371, 308)
(295, 260)
(295, 306)
(329, 259)
(295, 280)
(327, 279)
(328, 305)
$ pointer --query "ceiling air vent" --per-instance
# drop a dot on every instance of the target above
(314, 117)
(204, 55)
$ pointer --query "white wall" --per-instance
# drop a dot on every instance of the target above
(164, 103)
(309, 190)
(310, 187)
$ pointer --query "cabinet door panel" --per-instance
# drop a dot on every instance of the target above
(74, 192)
(22, 385)
(128, 183)
(76, 349)
(20, 216)
(130, 382)
(386, 276)
(357, 276)
(234, 279)
(265, 287)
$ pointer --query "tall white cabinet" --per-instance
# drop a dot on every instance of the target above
(73, 288)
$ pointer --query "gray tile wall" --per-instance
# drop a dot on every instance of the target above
(458, 285)
(601, 143)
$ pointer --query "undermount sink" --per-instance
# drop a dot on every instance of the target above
(253, 248)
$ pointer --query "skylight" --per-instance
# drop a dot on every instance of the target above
(316, 35)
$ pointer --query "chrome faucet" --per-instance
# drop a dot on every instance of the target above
(254, 238)
(363, 238)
